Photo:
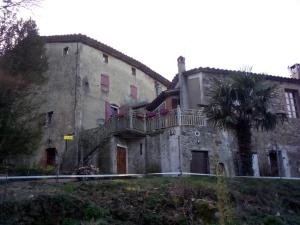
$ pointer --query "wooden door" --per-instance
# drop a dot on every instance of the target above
(200, 162)
(121, 160)
(274, 164)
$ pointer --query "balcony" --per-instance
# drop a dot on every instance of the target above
(134, 123)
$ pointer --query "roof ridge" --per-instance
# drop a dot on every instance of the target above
(227, 71)
(109, 50)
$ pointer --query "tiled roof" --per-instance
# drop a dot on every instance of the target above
(109, 50)
(231, 72)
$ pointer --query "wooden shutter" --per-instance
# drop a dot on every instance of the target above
(107, 110)
(133, 91)
(105, 80)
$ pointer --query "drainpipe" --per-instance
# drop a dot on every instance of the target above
(77, 114)
(183, 104)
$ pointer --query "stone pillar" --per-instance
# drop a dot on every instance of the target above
(178, 115)
(130, 114)
(184, 104)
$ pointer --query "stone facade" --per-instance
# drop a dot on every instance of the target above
(74, 98)
(172, 149)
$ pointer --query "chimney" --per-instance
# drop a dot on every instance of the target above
(184, 100)
(295, 71)
(181, 64)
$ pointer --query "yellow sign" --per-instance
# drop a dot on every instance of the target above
(68, 137)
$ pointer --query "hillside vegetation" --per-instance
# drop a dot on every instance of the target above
(150, 201)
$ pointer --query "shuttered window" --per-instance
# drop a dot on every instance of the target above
(104, 82)
(133, 91)
(107, 110)
(292, 104)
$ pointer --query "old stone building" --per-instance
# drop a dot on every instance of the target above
(171, 134)
(123, 117)
(87, 82)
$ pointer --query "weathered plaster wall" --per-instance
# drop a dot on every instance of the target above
(120, 79)
(135, 155)
(58, 94)
(73, 93)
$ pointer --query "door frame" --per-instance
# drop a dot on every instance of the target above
(126, 150)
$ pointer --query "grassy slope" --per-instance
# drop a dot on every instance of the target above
(184, 200)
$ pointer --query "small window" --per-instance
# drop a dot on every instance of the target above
(65, 51)
(292, 103)
(105, 58)
(133, 91)
(133, 71)
(141, 149)
(158, 89)
(49, 120)
(104, 82)
(114, 110)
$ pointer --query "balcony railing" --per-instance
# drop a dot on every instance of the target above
(141, 124)
(148, 123)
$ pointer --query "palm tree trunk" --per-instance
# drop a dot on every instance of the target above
(243, 134)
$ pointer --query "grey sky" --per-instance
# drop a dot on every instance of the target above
(227, 34)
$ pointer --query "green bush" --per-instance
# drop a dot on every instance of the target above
(70, 221)
(272, 220)
(93, 212)
(69, 188)
(152, 219)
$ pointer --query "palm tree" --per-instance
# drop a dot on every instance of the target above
(241, 103)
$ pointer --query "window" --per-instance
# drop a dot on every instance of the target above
(158, 89)
(133, 91)
(104, 82)
(133, 71)
(114, 110)
(292, 103)
(141, 149)
(49, 118)
(111, 110)
(105, 58)
(65, 51)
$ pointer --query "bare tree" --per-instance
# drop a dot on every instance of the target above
(10, 24)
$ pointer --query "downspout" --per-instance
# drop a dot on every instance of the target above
(183, 104)
(77, 124)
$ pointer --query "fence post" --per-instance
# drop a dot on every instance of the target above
(178, 115)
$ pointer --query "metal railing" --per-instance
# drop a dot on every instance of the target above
(145, 124)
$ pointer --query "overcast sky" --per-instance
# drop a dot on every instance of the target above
(228, 34)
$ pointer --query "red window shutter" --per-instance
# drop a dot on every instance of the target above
(104, 80)
(107, 110)
(133, 91)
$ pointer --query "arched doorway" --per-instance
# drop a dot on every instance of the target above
(51, 156)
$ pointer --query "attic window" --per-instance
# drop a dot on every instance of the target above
(65, 51)
(105, 58)
(133, 71)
